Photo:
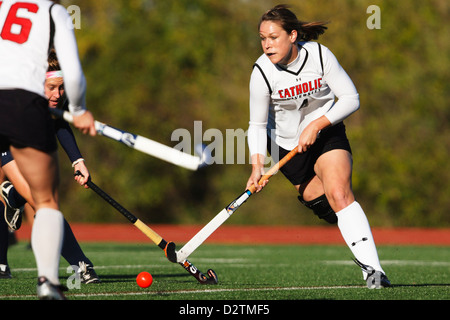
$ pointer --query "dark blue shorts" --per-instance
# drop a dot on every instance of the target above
(6, 158)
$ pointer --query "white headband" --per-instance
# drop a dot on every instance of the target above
(54, 74)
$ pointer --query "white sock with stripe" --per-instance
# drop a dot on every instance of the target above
(46, 240)
(355, 230)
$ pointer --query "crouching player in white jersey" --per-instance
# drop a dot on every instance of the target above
(292, 103)
(28, 29)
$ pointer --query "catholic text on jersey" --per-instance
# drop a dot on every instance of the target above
(301, 90)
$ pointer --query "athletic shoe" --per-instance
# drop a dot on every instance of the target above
(375, 279)
(378, 280)
(87, 273)
(49, 291)
(5, 273)
(13, 216)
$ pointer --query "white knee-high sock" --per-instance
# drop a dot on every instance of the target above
(46, 239)
(355, 230)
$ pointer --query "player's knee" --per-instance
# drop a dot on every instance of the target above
(340, 198)
(321, 208)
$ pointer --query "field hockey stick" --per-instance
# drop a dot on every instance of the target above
(145, 145)
(168, 247)
(223, 215)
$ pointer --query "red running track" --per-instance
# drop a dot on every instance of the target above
(250, 234)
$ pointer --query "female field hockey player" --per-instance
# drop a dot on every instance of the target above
(292, 104)
(26, 126)
(16, 192)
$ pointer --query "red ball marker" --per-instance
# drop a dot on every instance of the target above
(144, 279)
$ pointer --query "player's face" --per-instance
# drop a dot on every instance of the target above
(276, 43)
(54, 91)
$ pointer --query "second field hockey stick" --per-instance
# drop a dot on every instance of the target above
(223, 215)
(145, 145)
(168, 247)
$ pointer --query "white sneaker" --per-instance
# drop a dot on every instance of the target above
(375, 279)
(87, 273)
(49, 291)
(5, 273)
(13, 216)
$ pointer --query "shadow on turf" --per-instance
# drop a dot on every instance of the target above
(111, 278)
(421, 285)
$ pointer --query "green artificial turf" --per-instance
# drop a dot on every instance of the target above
(246, 273)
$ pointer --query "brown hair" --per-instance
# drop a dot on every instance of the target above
(53, 64)
(307, 31)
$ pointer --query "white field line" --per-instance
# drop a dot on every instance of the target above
(397, 263)
(238, 261)
(152, 293)
(243, 262)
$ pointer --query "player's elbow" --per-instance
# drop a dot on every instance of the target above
(357, 104)
(352, 102)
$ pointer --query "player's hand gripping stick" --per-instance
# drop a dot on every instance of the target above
(223, 215)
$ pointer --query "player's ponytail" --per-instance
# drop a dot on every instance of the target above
(311, 30)
(307, 31)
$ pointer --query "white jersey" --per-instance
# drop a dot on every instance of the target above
(27, 30)
(285, 99)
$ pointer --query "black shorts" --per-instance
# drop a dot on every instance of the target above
(300, 168)
(25, 121)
